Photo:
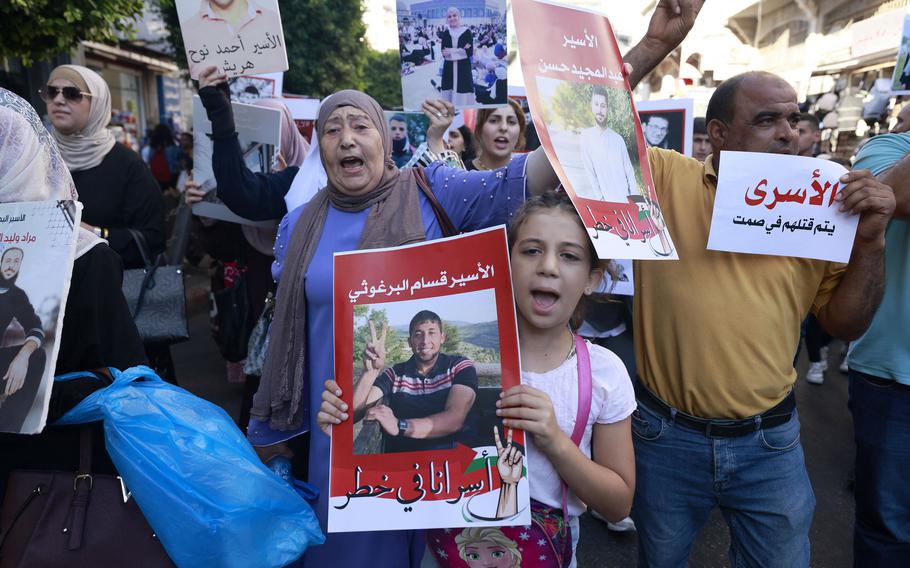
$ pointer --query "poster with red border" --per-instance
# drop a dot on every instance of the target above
(425, 341)
(587, 123)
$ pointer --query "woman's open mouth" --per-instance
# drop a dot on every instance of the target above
(502, 143)
(351, 165)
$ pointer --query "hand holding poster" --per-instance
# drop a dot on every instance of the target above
(240, 37)
(425, 341)
(780, 205)
(37, 249)
(587, 123)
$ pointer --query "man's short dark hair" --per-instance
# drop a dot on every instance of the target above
(811, 119)
(399, 118)
(700, 126)
(250, 89)
(424, 316)
(602, 91)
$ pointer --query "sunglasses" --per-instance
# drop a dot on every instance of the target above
(72, 94)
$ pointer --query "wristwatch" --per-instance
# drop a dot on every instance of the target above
(402, 427)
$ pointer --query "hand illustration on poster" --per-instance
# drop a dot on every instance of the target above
(425, 342)
(240, 37)
(588, 125)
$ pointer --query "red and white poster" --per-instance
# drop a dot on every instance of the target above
(425, 341)
(781, 205)
(588, 125)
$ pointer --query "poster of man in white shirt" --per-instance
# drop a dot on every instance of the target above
(592, 131)
(605, 156)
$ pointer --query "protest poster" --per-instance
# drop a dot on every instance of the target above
(259, 134)
(900, 80)
(780, 205)
(37, 249)
(248, 89)
(242, 37)
(454, 50)
(586, 120)
(304, 111)
(667, 124)
(443, 317)
(409, 131)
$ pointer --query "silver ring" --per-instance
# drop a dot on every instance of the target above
(438, 115)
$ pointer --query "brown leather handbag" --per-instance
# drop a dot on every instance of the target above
(60, 518)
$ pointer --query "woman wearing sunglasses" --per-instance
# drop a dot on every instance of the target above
(117, 190)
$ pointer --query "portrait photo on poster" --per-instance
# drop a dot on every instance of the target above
(239, 37)
(667, 124)
(248, 89)
(454, 50)
(409, 131)
(591, 128)
(37, 246)
(437, 353)
(425, 341)
(900, 81)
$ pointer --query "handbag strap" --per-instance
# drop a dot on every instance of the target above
(585, 388)
(139, 238)
(82, 491)
(445, 223)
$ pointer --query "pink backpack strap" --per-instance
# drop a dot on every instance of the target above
(583, 364)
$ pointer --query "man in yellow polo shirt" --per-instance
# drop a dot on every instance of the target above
(715, 334)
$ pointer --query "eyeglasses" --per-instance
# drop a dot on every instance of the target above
(72, 94)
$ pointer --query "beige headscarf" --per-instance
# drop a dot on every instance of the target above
(394, 220)
(31, 168)
(86, 149)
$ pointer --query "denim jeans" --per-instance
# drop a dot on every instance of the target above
(759, 481)
(881, 426)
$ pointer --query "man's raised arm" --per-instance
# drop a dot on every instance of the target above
(670, 22)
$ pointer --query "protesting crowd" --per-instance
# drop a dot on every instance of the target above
(650, 410)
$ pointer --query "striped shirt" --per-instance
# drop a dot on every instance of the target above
(412, 395)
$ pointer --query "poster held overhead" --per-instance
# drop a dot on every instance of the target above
(37, 250)
(781, 205)
(242, 38)
(423, 331)
(587, 123)
(453, 50)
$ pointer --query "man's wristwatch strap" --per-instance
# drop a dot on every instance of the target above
(402, 427)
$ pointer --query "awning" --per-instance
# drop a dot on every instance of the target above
(115, 53)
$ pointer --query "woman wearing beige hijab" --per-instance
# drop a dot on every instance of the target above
(115, 186)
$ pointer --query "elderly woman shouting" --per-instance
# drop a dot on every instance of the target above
(367, 203)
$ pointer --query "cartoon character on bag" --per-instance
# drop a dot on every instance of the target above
(487, 547)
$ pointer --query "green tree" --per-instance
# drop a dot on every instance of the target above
(382, 78)
(34, 30)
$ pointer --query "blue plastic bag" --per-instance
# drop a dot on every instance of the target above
(199, 483)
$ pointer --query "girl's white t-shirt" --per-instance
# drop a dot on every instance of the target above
(612, 400)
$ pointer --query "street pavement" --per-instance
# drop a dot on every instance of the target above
(827, 432)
